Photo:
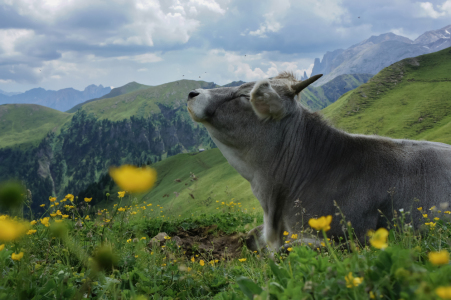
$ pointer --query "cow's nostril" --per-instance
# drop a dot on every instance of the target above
(193, 94)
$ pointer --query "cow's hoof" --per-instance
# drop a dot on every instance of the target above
(254, 239)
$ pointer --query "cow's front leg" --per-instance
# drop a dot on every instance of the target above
(255, 240)
(272, 231)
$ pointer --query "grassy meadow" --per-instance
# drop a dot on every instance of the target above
(75, 251)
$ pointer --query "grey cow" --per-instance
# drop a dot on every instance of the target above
(288, 153)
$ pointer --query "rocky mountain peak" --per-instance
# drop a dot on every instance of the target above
(434, 35)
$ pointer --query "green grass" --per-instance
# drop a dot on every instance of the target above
(216, 182)
(409, 99)
(27, 124)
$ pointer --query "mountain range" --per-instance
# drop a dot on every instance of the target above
(377, 52)
(61, 100)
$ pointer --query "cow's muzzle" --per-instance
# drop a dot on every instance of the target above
(192, 94)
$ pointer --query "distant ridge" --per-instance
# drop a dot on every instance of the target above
(129, 87)
(60, 100)
(377, 52)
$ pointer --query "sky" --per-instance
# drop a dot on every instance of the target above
(57, 44)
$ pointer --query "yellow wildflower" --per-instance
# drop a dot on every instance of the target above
(436, 219)
(294, 236)
(70, 197)
(150, 204)
(45, 221)
(447, 212)
(121, 194)
(134, 179)
(11, 229)
(420, 208)
(88, 199)
(42, 205)
(285, 233)
(52, 199)
(193, 259)
(202, 263)
(352, 281)
(31, 231)
(431, 224)
(129, 240)
(17, 257)
(65, 216)
(425, 215)
(53, 215)
(189, 269)
(143, 238)
(121, 209)
(136, 256)
(432, 208)
(33, 222)
(439, 258)
(242, 259)
(58, 212)
(56, 203)
(379, 238)
(322, 223)
(444, 292)
(87, 218)
(289, 249)
(2, 247)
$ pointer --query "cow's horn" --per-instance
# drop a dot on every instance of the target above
(298, 87)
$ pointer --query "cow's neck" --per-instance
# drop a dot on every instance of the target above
(307, 149)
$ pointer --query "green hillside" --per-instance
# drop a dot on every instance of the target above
(28, 124)
(409, 99)
(216, 182)
(143, 103)
(316, 98)
(128, 88)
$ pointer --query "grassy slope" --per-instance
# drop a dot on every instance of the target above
(317, 98)
(128, 88)
(143, 103)
(28, 124)
(217, 180)
(409, 99)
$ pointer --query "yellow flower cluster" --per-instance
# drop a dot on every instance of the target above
(134, 179)
(379, 238)
(439, 258)
(88, 199)
(444, 292)
(17, 257)
(322, 223)
(352, 281)
(12, 229)
(45, 221)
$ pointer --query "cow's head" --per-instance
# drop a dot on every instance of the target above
(236, 115)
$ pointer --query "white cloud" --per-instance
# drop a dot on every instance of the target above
(446, 7)
(142, 58)
(211, 5)
(10, 37)
(428, 9)
(270, 25)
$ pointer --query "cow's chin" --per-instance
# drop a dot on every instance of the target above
(196, 116)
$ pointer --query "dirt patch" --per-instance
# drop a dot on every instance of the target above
(208, 242)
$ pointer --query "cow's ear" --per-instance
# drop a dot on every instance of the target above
(266, 102)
